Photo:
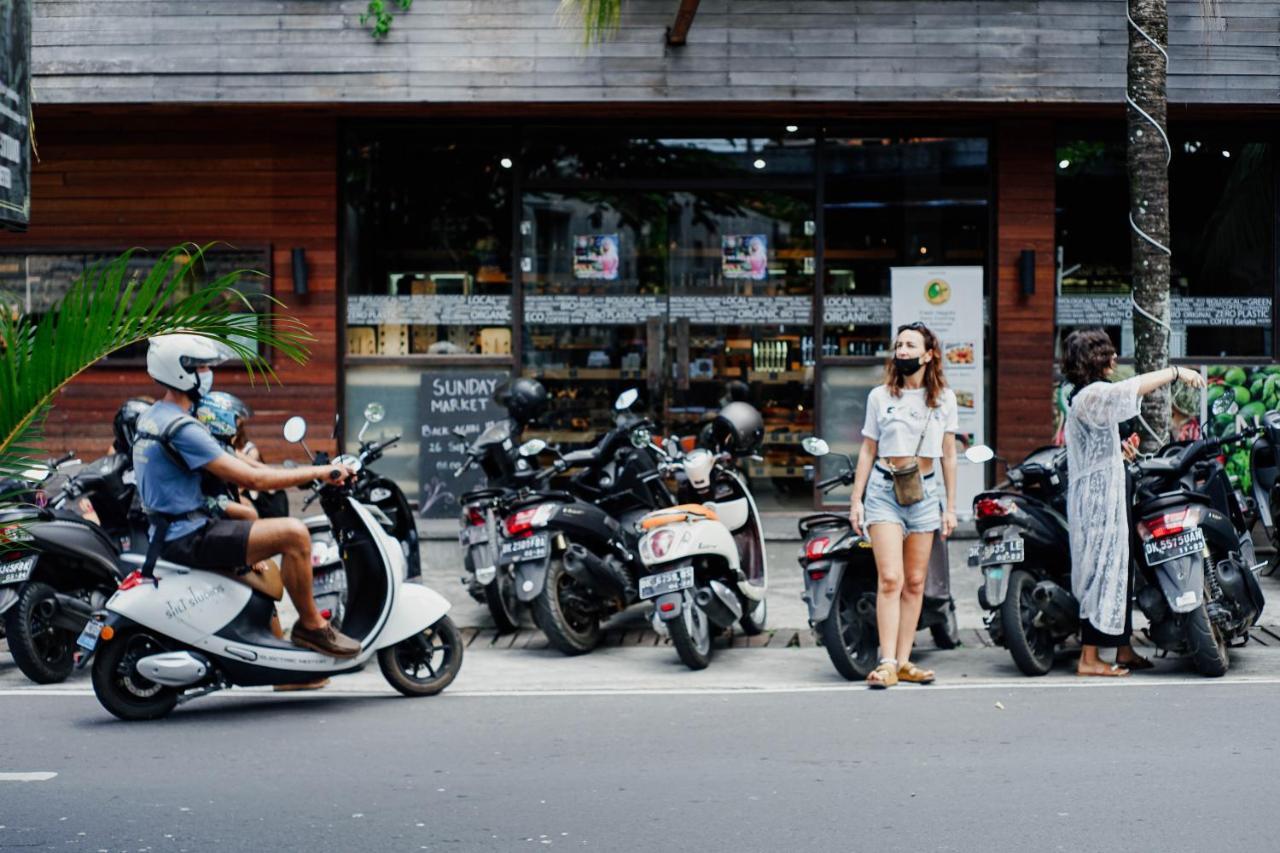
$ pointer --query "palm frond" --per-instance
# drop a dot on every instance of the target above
(599, 19)
(108, 308)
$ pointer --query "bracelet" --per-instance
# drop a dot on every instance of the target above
(1177, 376)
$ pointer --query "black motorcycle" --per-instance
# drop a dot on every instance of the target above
(840, 582)
(1024, 554)
(59, 566)
(1195, 562)
(1264, 465)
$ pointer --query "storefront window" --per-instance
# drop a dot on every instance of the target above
(895, 201)
(1222, 234)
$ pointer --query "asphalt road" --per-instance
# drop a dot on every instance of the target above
(1167, 764)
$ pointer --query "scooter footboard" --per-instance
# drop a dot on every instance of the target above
(1182, 581)
(416, 609)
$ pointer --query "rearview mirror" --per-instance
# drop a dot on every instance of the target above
(815, 446)
(1224, 405)
(626, 399)
(532, 447)
(295, 429)
(979, 454)
(374, 413)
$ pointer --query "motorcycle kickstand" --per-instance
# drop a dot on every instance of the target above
(203, 691)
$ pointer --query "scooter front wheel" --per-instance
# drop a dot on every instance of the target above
(119, 686)
(427, 662)
(691, 635)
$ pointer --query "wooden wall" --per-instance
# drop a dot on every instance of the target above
(1024, 328)
(135, 178)
(514, 51)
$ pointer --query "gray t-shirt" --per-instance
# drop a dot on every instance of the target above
(162, 485)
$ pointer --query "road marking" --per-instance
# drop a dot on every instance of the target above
(38, 776)
(1026, 684)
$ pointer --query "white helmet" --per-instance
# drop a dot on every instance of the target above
(173, 360)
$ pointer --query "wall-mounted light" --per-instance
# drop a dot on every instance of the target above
(792, 128)
(1063, 164)
(299, 271)
(1027, 272)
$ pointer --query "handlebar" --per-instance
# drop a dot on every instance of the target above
(831, 482)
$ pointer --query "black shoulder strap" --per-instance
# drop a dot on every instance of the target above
(165, 439)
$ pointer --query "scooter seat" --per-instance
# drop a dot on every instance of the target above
(683, 512)
(269, 582)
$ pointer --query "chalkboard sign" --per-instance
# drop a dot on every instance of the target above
(448, 402)
(15, 112)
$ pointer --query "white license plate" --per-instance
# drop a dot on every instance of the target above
(18, 570)
(999, 553)
(1169, 548)
(88, 639)
(652, 586)
(535, 547)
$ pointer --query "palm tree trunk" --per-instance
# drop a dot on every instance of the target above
(1149, 153)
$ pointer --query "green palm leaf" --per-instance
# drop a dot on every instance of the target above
(599, 19)
(109, 308)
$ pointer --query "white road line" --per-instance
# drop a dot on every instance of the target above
(39, 776)
(1012, 685)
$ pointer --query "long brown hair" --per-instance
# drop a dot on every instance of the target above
(934, 381)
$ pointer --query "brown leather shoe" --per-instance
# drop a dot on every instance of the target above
(326, 641)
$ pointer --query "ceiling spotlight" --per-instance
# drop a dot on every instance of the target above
(759, 164)
(1062, 164)
(1226, 153)
(506, 163)
(792, 128)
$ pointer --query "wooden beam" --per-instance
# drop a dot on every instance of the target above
(678, 32)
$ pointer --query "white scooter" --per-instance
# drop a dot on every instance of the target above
(705, 564)
(188, 632)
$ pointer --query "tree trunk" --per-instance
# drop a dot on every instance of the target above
(1148, 166)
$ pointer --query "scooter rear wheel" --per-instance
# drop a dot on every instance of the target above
(691, 636)
(1031, 647)
(504, 606)
(42, 650)
(558, 611)
(1208, 648)
(427, 662)
(121, 688)
(850, 639)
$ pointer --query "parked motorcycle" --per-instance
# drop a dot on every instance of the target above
(840, 582)
(704, 560)
(178, 633)
(1024, 554)
(1196, 566)
(60, 566)
(1264, 465)
(572, 552)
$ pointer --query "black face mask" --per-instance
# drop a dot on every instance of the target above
(907, 366)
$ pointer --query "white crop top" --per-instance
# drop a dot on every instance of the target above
(895, 422)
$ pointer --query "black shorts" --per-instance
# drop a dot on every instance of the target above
(221, 544)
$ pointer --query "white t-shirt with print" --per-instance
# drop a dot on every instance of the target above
(895, 422)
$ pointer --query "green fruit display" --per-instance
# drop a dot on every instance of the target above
(1216, 371)
(1252, 411)
(1235, 376)
(1242, 395)
(1216, 391)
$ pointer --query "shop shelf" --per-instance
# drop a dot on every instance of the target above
(781, 377)
(758, 469)
(556, 373)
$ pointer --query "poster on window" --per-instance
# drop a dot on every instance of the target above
(595, 256)
(745, 256)
(15, 111)
(949, 301)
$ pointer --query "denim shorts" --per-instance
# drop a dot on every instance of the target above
(881, 506)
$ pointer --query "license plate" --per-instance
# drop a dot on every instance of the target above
(88, 639)
(1168, 548)
(17, 571)
(535, 547)
(1004, 551)
(651, 586)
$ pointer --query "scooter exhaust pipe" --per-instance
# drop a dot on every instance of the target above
(719, 603)
(605, 575)
(1058, 606)
(173, 669)
(72, 613)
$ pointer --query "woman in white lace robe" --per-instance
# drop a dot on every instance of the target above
(1097, 508)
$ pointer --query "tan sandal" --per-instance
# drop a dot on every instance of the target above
(914, 674)
(884, 675)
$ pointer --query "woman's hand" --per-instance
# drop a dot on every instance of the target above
(948, 522)
(1187, 376)
(856, 515)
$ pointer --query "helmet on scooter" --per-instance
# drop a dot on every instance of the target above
(738, 429)
(525, 400)
(125, 423)
(175, 360)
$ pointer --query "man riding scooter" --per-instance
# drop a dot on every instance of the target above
(168, 458)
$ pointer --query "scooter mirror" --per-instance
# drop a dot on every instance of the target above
(532, 447)
(815, 446)
(979, 454)
(374, 413)
(295, 429)
(626, 399)
(1223, 405)
(36, 475)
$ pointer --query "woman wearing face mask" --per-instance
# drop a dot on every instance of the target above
(908, 435)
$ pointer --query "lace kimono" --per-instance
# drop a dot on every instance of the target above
(1096, 502)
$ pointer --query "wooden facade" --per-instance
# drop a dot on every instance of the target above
(133, 178)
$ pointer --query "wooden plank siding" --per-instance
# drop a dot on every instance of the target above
(514, 51)
(1023, 326)
(125, 178)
